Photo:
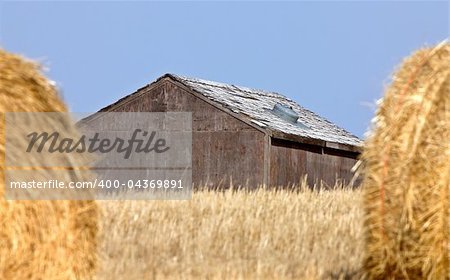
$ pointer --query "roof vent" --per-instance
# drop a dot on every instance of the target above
(285, 112)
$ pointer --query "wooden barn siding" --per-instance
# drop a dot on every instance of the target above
(290, 161)
(223, 147)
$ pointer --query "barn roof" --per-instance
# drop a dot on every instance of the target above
(257, 105)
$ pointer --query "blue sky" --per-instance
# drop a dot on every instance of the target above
(334, 58)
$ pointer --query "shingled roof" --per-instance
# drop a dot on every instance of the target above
(255, 106)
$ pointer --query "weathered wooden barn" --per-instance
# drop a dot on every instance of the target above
(248, 137)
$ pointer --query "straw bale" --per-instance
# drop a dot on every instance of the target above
(406, 166)
(42, 239)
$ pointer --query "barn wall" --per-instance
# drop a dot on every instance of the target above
(290, 161)
(224, 148)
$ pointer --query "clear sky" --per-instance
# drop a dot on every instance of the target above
(334, 58)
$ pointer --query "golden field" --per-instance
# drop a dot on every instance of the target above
(235, 234)
(261, 234)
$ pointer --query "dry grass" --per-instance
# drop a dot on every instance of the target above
(265, 234)
(407, 173)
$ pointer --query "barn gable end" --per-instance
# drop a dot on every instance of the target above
(224, 148)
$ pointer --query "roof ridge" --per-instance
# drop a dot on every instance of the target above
(225, 85)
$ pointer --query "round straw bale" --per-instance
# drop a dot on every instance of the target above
(406, 167)
(41, 239)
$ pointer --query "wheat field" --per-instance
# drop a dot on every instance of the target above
(235, 234)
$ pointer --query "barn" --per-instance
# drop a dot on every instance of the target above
(247, 137)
